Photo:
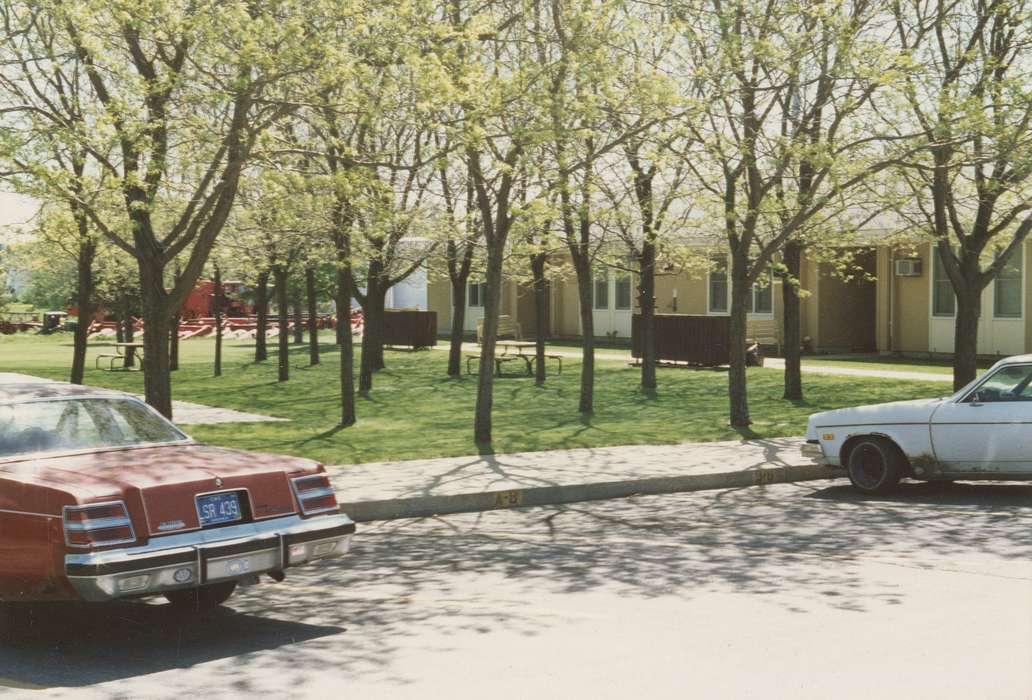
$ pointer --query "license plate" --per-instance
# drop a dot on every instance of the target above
(218, 508)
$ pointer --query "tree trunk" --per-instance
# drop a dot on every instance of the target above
(372, 334)
(482, 420)
(792, 334)
(283, 313)
(736, 382)
(173, 343)
(217, 304)
(157, 380)
(84, 299)
(537, 266)
(313, 319)
(127, 332)
(343, 321)
(299, 323)
(647, 265)
(965, 340)
(458, 325)
(587, 387)
(173, 333)
(261, 303)
(347, 348)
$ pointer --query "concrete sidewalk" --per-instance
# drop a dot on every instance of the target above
(778, 363)
(419, 488)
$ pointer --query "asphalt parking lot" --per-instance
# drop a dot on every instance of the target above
(796, 590)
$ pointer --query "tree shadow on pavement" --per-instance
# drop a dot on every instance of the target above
(79, 644)
(806, 549)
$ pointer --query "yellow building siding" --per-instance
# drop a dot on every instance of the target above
(438, 298)
(912, 305)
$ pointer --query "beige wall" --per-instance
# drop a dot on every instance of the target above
(438, 298)
(566, 319)
(903, 303)
(912, 305)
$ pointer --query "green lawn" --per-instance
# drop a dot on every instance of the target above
(415, 410)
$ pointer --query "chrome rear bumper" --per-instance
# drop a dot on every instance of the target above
(208, 556)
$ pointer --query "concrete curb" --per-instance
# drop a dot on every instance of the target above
(425, 506)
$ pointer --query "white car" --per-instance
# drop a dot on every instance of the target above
(984, 431)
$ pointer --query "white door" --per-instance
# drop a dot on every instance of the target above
(612, 304)
(990, 430)
(475, 292)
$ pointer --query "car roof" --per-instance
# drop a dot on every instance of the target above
(1016, 359)
(23, 388)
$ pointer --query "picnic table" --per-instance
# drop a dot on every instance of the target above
(514, 350)
(123, 351)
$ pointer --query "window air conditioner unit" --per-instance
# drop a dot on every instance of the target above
(908, 267)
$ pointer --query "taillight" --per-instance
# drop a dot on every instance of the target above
(98, 525)
(314, 494)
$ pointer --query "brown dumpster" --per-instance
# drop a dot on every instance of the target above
(696, 340)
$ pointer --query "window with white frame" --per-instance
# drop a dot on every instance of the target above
(944, 301)
(1007, 289)
(623, 293)
(759, 301)
(718, 296)
(601, 291)
(476, 294)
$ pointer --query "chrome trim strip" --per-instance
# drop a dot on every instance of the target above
(97, 524)
(166, 544)
(25, 512)
(316, 493)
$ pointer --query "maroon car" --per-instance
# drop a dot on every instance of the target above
(103, 498)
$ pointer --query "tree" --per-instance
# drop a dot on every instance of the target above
(217, 303)
(311, 296)
(969, 94)
(783, 139)
(184, 92)
(397, 226)
(589, 83)
(484, 66)
(45, 88)
(460, 250)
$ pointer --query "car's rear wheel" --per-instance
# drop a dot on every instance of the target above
(202, 598)
(875, 466)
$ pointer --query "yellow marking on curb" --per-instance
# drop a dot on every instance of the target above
(508, 499)
(764, 476)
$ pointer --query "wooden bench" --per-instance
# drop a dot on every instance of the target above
(764, 332)
(507, 328)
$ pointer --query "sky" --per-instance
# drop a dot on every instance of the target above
(15, 211)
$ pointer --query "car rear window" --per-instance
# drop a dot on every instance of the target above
(61, 425)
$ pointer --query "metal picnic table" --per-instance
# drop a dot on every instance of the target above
(517, 347)
(123, 351)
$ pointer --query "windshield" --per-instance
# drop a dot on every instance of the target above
(80, 424)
